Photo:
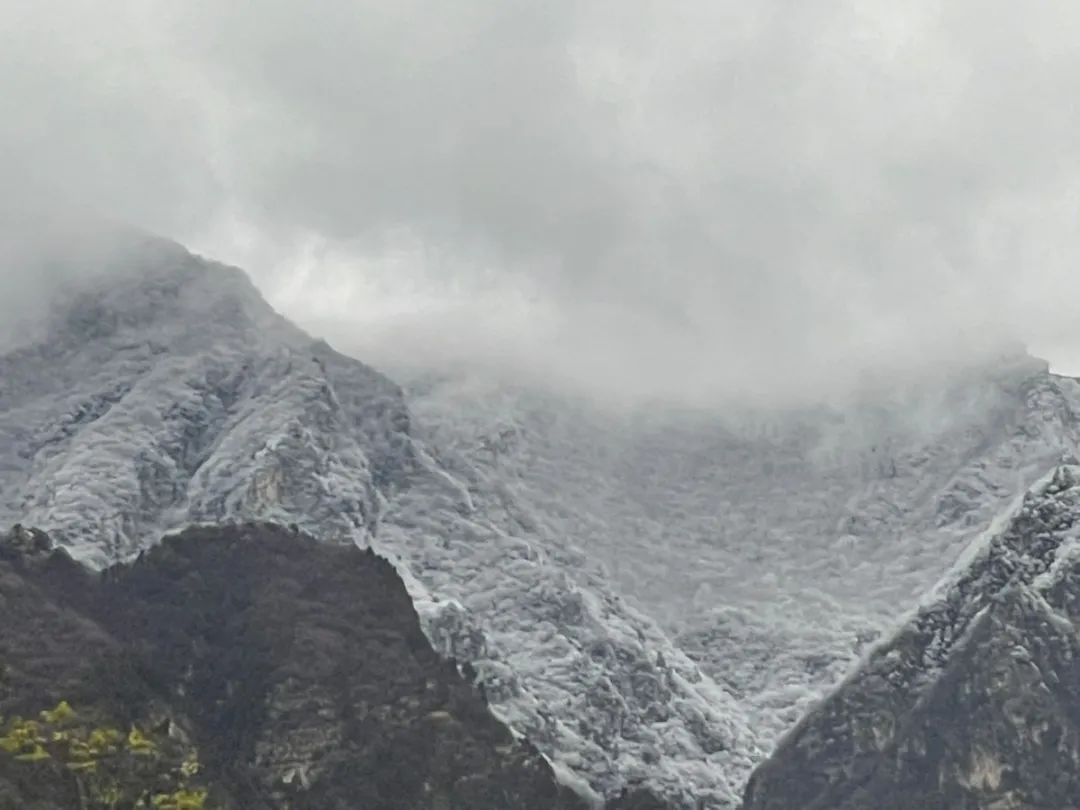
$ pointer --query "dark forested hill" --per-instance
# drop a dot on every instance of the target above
(283, 672)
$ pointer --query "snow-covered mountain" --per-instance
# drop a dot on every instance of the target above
(650, 595)
(167, 392)
(773, 546)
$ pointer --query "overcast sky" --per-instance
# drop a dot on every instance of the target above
(699, 196)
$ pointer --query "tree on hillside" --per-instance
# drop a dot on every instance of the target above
(109, 768)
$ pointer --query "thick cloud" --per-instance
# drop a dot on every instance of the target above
(693, 199)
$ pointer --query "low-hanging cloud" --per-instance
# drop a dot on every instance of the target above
(687, 199)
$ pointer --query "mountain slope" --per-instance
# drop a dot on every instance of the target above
(974, 702)
(169, 393)
(774, 546)
(173, 392)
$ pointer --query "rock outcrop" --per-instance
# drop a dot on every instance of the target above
(296, 670)
(974, 704)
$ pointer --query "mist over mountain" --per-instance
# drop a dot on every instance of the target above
(653, 596)
(693, 379)
(701, 204)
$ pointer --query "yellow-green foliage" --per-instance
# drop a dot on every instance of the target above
(112, 770)
(183, 799)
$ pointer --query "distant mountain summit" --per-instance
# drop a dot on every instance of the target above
(166, 392)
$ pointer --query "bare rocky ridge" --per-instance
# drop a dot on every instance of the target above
(974, 702)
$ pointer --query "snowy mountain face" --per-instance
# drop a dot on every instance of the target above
(172, 394)
(774, 548)
(652, 597)
(974, 701)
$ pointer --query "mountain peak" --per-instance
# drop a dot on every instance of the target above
(69, 282)
(153, 284)
(156, 362)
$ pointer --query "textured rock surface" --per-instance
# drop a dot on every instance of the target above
(172, 394)
(975, 702)
(773, 546)
(298, 671)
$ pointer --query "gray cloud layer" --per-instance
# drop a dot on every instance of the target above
(694, 198)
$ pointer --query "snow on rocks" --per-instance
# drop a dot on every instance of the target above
(169, 393)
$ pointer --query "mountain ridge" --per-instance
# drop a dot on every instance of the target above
(195, 403)
(971, 702)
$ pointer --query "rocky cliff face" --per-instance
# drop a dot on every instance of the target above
(974, 702)
(297, 671)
